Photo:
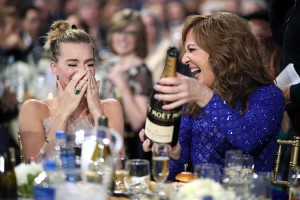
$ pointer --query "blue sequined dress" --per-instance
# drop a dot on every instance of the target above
(219, 128)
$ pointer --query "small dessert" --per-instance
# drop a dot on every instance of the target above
(185, 176)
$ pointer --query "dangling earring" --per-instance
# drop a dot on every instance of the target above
(57, 77)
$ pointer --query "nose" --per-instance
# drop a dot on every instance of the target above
(185, 59)
(85, 66)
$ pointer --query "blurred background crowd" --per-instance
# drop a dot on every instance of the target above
(24, 62)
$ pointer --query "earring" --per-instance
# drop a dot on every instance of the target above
(57, 77)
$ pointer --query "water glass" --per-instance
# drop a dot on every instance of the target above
(232, 179)
(233, 158)
(138, 178)
(260, 186)
(248, 164)
(294, 181)
(208, 170)
(119, 173)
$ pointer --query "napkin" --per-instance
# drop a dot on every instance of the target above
(287, 77)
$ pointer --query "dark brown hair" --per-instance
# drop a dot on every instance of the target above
(237, 59)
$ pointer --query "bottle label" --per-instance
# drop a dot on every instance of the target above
(41, 193)
(157, 133)
(159, 125)
(68, 159)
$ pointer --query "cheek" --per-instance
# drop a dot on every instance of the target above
(93, 71)
(210, 79)
(207, 77)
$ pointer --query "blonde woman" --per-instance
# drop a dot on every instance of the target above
(77, 104)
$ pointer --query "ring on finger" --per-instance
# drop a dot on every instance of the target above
(77, 91)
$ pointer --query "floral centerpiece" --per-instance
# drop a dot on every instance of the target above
(201, 188)
(25, 174)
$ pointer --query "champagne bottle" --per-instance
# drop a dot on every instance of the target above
(102, 153)
(8, 182)
(102, 150)
(162, 126)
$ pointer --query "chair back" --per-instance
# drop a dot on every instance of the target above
(295, 146)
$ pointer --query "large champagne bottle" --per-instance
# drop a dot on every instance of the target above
(162, 126)
(8, 182)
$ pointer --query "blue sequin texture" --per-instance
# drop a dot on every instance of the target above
(220, 128)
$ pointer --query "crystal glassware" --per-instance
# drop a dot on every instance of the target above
(160, 165)
(138, 178)
(120, 172)
(208, 170)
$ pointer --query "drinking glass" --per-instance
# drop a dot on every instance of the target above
(260, 186)
(138, 178)
(160, 165)
(248, 164)
(232, 179)
(247, 173)
(208, 170)
(294, 181)
(120, 173)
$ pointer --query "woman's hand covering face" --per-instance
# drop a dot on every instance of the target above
(92, 95)
(68, 100)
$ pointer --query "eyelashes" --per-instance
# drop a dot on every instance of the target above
(74, 65)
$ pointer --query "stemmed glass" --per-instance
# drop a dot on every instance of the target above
(160, 165)
(138, 178)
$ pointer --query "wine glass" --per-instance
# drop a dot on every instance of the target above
(138, 178)
(160, 165)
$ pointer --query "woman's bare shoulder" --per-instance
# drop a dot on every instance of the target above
(35, 105)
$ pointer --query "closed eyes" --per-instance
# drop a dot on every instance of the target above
(74, 65)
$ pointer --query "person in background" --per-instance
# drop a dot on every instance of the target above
(77, 21)
(259, 23)
(13, 48)
(157, 44)
(230, 102)
(77, 104)
(128, 78)
(248, 7)
(31, 33)
(285, 26)
(89, 13)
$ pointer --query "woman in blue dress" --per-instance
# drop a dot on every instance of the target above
(230, 102)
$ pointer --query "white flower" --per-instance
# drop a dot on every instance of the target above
(23, 170)
(199, 188)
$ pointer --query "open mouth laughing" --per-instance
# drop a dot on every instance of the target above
(195, 71)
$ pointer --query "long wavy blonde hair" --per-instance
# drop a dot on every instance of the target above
(236, 57)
